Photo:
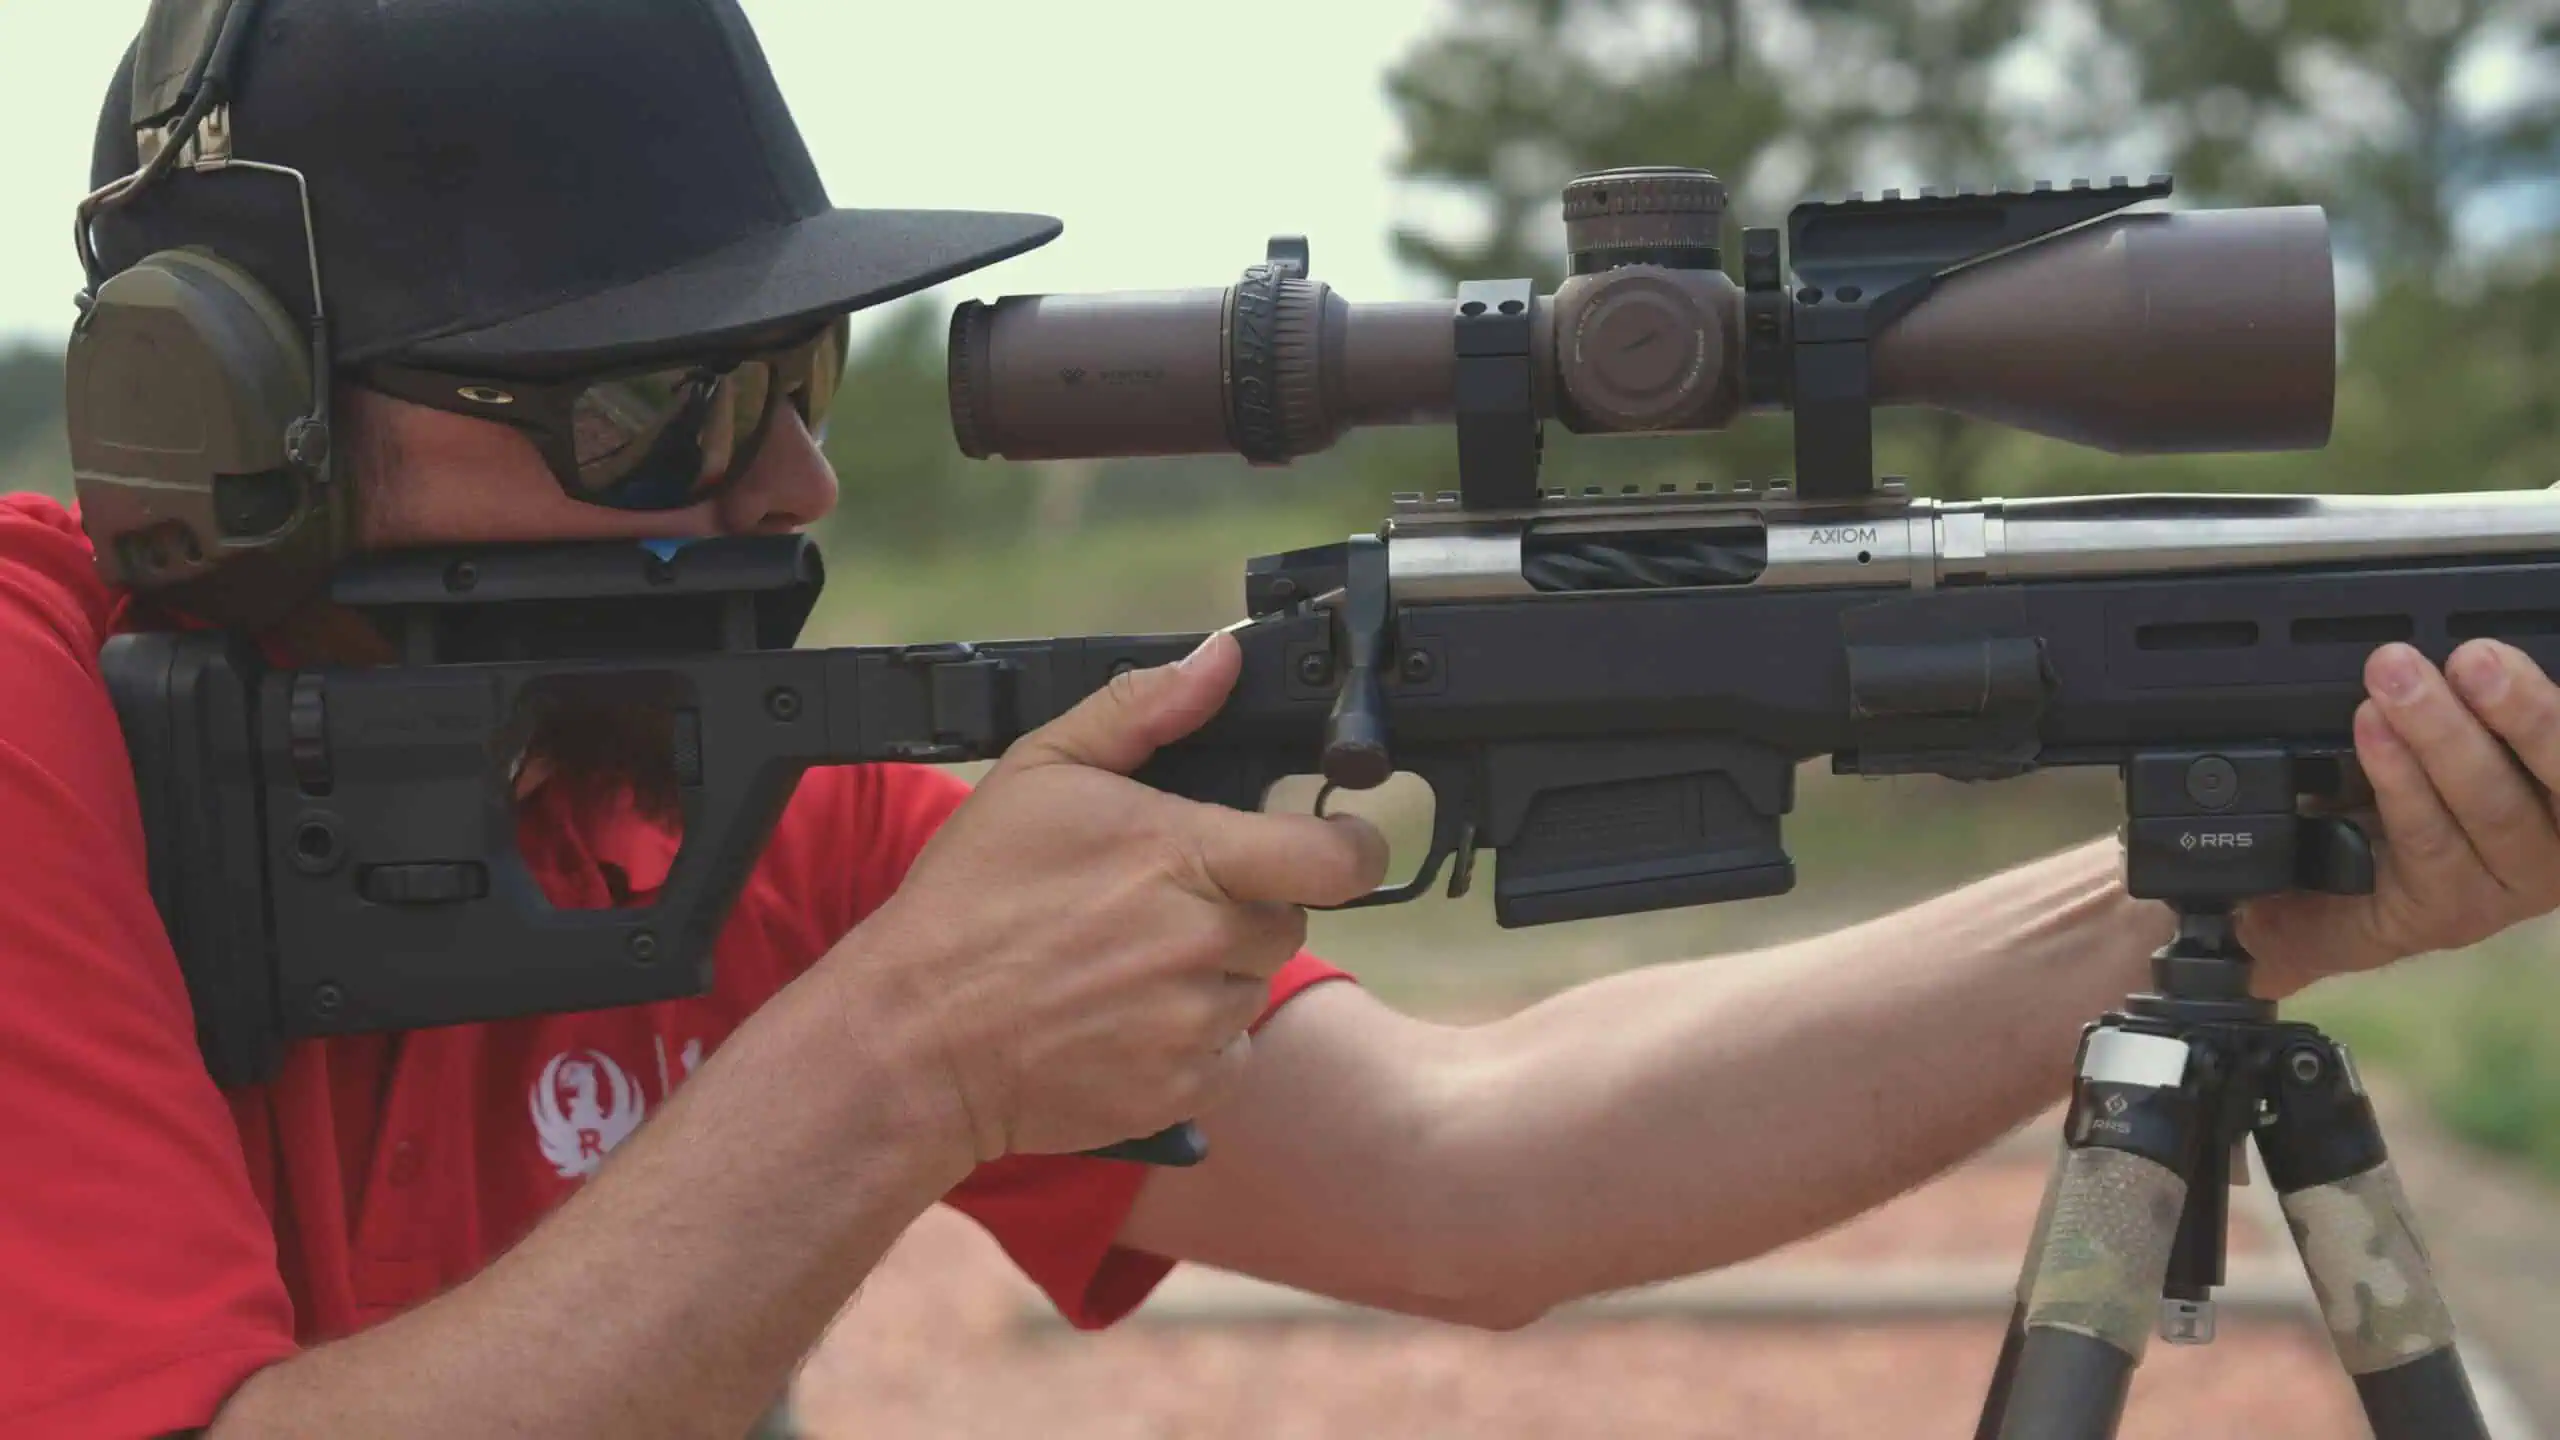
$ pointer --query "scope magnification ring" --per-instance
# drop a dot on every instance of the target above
(966, 352)
(1253, 366)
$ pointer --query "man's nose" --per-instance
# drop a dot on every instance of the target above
(789, 485)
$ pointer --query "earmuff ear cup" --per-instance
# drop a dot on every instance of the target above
(183, 382)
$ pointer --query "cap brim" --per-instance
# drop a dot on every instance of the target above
(808, 271)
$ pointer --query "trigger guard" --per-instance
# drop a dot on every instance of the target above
(1452, 840)
(1391, 894)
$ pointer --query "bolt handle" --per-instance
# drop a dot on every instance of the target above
(1355, 734)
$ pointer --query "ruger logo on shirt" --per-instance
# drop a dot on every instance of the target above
(584, 1104)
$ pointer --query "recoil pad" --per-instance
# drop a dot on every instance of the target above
(182, 383)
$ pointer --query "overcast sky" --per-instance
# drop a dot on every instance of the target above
(1122, 120)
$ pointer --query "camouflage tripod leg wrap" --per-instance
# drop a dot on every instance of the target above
(2090, 1292)
(2004, 1371)
(2360, 1246)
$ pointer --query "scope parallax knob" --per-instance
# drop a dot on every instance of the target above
(1639, 350)
(1645, 215)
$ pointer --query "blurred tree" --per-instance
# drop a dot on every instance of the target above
(2398, 116)
(1912, 91)
(2453, 392)
(34, 453)
(30, 393)
(1519, 96)
(1919, 103)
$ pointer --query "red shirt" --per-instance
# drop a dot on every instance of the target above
(161, 1240)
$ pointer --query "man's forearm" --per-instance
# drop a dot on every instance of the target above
(675, 1293)
(1683, 1117)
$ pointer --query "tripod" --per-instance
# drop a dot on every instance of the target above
(2130, 1236)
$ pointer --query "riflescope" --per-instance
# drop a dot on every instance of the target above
(2041, 309)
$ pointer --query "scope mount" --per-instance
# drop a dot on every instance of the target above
(1862, 264)
(1857, 266)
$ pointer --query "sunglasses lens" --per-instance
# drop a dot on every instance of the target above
(653, 441)
(745, 399)
(616, 423)
(668, 438)
(826, 376)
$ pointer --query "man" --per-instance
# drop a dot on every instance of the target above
(635, 1222)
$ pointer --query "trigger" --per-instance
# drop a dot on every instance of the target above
(1323, 795)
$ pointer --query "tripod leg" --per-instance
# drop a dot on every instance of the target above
(2004, 1372)
(2360, 1245)
(2094, 1280)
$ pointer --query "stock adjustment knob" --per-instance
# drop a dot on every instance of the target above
(1649, 215)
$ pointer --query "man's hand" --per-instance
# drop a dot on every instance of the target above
(1087, 952)
(2463, 764)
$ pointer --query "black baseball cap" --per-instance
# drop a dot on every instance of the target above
(531, 186)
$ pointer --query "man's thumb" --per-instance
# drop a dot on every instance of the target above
(1118, 726)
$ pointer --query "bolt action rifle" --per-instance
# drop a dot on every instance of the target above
(1611, 693)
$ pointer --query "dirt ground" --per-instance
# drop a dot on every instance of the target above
(947, 1342)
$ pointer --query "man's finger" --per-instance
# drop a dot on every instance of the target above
(2518, 701)
(2423, 859)
(1293, 859)
(1247, 940)
(1242, 1000)
(2426, 844)
(2507, 824)
(1140, 711)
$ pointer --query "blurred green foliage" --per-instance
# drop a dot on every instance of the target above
(30, 395)
(2473, 1032)
(2369, 108)
(33, 455)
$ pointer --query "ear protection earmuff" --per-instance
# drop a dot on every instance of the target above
(198, 418)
